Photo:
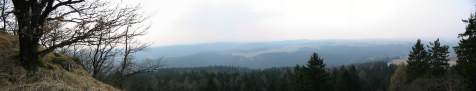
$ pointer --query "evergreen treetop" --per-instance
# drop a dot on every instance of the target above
(466, 51)
(418, 64)
(438, 58)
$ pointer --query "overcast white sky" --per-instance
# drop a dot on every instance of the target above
(204, 21)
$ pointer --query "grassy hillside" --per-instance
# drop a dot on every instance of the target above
(58, 72)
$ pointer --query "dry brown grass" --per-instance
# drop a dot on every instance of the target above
(60, 73)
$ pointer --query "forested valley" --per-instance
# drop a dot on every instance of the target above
(93, 45)
(374, 76)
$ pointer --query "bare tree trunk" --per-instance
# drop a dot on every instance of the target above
(28, 23)
(125, 60)
(126, 51)
(31, 15)
(96, 57)
(28, 55)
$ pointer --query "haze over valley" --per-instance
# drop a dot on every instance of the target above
(278, 53)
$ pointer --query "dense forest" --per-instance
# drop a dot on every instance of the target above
(373, 76)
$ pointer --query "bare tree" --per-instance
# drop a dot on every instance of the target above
(101, 35)
(131, 46)
(79, 22)
(7, 21)
(31, 16)
(112, 45)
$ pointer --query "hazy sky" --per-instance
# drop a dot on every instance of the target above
(204, 21)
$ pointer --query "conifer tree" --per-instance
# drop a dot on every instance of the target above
(315, 76)
(347, 79)
(341, 83)
(466, 51)
(300, 81)
(210, 86)
(418, 64)
(438, 58)
(354, 79)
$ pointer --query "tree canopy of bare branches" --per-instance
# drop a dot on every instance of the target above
(46, 25)
(7, 19)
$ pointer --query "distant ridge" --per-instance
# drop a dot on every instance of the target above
(276, 54)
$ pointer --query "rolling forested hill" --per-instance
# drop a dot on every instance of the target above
(276, 54)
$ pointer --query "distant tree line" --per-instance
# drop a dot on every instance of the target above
(314, 76)
(428, 67)
(372, 76)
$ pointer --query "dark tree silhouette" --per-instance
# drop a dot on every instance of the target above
(466, 51)
(88, 21)
(314, 76)
(31, 16)
(347, 79)
(418, 64)
(438, 58)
